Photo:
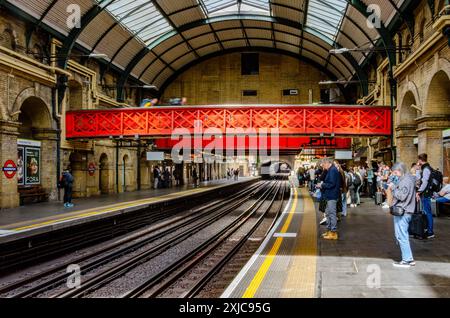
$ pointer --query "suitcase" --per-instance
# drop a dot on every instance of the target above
(418, 226)
(379, 198)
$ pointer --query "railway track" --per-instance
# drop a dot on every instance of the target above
(37, 249)
(202, 268)
(134, 250)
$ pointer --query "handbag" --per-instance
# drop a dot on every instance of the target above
(317, 194)
(397, 211)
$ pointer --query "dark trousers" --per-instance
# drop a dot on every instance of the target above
(68, 194)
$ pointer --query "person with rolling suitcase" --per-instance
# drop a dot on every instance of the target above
(401, 194)
(418, 225)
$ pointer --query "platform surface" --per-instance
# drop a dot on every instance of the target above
(294, 262)
(46, 214)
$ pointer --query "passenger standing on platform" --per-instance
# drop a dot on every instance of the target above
(195, 176)
(236, 175)
(363, 173)
(66, 183)
(312, 177)
(358, 185)
(352, 188)
(167, 178)
(375, 177)
(424, 192)
(176, 177)
(331, 191)
(300, 176)
(344, 190)
(401, 195)
(323, 200)
(156, 176)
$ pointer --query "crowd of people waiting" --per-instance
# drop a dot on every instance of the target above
(164, 178)
(406, 192)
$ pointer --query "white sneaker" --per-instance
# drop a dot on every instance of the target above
(385, 206)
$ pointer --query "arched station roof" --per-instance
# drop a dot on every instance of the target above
(153, 40)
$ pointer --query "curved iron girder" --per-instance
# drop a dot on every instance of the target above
(247, 49)
(256, 38)
(71, 40)
(386, 37)
(38, 23)
(228, 29)
(121, 83)
(408, 20)
(87, 18)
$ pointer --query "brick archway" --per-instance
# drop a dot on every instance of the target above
(31, 92)
(436, 115)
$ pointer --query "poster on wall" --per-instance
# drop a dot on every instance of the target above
(20, 166)
(33, 161)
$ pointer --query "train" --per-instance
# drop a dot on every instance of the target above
(275, 171)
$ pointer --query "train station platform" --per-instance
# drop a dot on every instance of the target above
(44, 217)
(294, 262)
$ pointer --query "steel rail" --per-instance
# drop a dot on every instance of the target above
(205, 249)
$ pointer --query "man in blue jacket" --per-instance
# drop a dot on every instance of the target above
(331, 191)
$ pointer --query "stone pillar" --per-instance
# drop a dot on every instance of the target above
(406, 149)
(430, 137)
(9, 132)
(48, 138)
(79, 172)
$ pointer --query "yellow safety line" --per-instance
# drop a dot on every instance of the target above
(301, 278)
(262, 272)
(109, 209)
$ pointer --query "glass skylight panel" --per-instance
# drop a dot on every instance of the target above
(326, 17)
(226, 6)
(141, 17)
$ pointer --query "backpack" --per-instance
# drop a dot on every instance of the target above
(357, 180)
(436, 181)
(68, 178)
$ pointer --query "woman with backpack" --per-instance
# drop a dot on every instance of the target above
(66, 182)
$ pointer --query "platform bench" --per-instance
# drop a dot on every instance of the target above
(34, 194)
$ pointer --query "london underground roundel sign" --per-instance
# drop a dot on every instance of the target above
(9, 169)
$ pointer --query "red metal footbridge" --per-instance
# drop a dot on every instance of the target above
(292, 121)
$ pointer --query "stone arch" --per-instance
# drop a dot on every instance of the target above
(440, 66)
(33, 115)
(436, 114)
(410, 87)
(438, 95)
(407, 114)
(74, 96)
(31, 92)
